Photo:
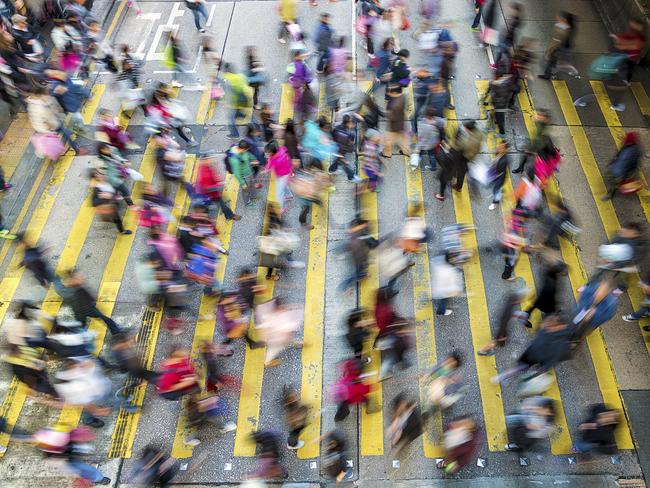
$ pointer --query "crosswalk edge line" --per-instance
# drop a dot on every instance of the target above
(605, 374)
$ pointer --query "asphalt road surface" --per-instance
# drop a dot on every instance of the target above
(609, 362)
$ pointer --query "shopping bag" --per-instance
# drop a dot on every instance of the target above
(362, 25)
(490, 36)
(414, 160)
(217, 92)
(133, 99)
(48, 145)
(134, 175)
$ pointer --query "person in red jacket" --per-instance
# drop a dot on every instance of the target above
(478, 8)
(210, 181)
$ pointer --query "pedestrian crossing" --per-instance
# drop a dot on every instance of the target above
(372, 425)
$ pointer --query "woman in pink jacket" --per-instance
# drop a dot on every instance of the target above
(546, 163)
(279, 163)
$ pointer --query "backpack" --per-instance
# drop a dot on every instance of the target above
(226, 159)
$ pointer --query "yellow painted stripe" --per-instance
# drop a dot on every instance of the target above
(425, 338)
(597, 186)
(372, 424)
(126, 424)
(578, 276)
(114, 270)
(15, 399)
(314, 323)
(23, 211)
(616, 129)
(311, 390)
(641, 98)
(14, 143)
(286, 103)
(560, 443)
(206, 321)
(253, 374)
(492, 399)
(116, 17)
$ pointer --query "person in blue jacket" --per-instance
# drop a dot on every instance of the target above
(70, 95)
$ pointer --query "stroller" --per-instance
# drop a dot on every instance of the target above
(451, 240)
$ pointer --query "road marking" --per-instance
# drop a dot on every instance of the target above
(14, 143)
(13, 402)
(486, 368)
(425, 338)
(578, 276)
(126, 424)
(616, 129)
(641, 98)
(372, 424)
(253, 374)
(311, 390)
(116, 17)
(152, 18)
(153, 54)
(596, 185)
(561, 442)
(312, 351)
(211, 16)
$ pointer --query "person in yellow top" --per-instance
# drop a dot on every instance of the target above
(287, 10)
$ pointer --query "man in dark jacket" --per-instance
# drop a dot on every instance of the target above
(79, 299)
(624, 166)
(344, 136)
(501, 91)
(323, 39)
(396, 113)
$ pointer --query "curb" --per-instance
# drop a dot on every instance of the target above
(617, 13)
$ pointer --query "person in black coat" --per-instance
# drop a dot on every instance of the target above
(546, 300)
(598, 430)
(357, 332)
(551, 345)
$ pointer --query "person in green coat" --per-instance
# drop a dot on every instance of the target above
(241, 162)
(238, 97)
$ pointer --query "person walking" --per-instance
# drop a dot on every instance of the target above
(324, 39)
(84, 306)
(396, 113)
(560, 43)
(239, 98)
(498, 171)
(546, 301)
(241, 163)
(197, 7)
(624, 166)
(467, 144)
(478, 9)
(539, 138)
(428, 137)
(210, 181)
(279, 163)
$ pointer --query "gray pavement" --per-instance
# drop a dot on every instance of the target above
(237, 24)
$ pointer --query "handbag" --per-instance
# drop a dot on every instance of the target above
(48, 145)
(217, 92)
(490, 36)
(362, 25)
